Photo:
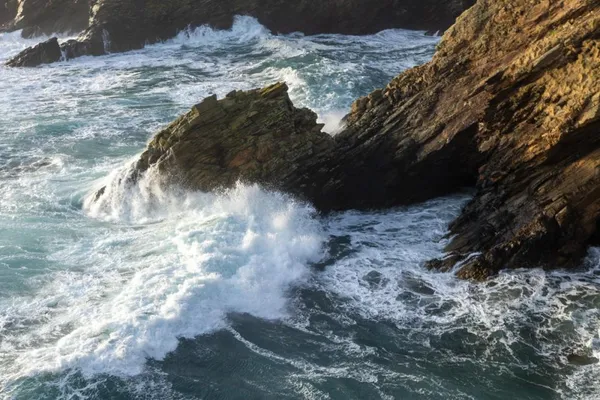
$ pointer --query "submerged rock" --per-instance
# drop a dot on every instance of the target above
(123, 25)
(582, 359)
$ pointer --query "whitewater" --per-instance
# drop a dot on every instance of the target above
(162, 293)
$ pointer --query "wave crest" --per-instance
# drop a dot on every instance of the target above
(175, 265)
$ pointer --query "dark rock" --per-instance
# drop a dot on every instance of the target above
(475, 269)
(445, 264)
(580, 359)
(77, 48)
(123, 25)
(43, 53)
(8, 12)
(44, 17)
(255, 137)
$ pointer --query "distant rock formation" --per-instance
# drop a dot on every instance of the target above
(122, 25)
(510, 104)
(44, 17)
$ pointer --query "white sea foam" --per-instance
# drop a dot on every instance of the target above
(333, 121)
(174, 268)
(244, 30)
(551, 312)
(203, 61)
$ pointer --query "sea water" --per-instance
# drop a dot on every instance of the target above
(159, 293)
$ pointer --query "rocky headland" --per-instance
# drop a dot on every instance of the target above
(122, 25)
(509, 105)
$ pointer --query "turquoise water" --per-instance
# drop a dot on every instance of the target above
(159, 293)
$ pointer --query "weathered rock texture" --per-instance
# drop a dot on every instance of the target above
(256, 137)
(121, 25)
(510, 104)
(44, 17)
(8, 11)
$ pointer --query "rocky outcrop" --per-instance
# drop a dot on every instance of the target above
(52, 51)
(44, 17)
(510, 104)
(43, 53)
(255, 137)
(121, 25)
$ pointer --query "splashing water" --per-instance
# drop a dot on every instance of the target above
(160, 293)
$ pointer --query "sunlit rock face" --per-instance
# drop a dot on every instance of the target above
(509, 104)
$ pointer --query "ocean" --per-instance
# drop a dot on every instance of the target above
(162, 293)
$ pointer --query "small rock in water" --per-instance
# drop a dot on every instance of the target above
(581, 359)
(373, 278)
(44, 53)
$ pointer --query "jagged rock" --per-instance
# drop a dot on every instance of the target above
(77, 48)
(510, 103)
(256, 137)
(123, 25)
(51, 51)
(43, 53)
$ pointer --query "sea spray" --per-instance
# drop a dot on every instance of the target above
(333, 121)
(245, 30)
(181, 263)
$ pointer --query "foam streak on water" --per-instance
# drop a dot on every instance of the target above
(160, 293)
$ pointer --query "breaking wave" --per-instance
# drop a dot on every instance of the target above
(152, 293)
